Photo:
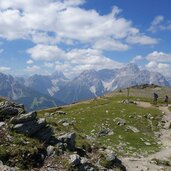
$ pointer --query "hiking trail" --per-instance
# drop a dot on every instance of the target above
(145, 163)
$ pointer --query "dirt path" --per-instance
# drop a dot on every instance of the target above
(144, 164)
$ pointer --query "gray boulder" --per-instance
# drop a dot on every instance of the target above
(60, 112)
(69, 139)
(50, 150)
(45, 134)
(8, 112)
(9, 109)
(2, 124)
(110, 155)
(24, 118)
(31, 127)
(5, 104)
(74, 160)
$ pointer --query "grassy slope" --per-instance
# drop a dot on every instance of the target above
(90, 116)
(145, 94)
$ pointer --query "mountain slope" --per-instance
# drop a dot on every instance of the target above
(91, 83)
(45, 89)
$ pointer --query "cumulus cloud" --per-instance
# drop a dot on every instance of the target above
(46, 52)
(36, 19)
(159, 57)
(159, 62)
(49, 64)
(49, 23)
(78, 60)
(110, 44)
(159, 25)
(72, 60)
(162, 68)
(4, 69)
(29, 61)
(142, 40)
(32, 69)
(137, 59)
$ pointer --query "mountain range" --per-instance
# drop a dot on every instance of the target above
(43, 91)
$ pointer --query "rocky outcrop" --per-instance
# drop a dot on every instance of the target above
(24, 118)
(9, 109)
(28, 124)
(109, 160)
(69, 139)
(29, 128)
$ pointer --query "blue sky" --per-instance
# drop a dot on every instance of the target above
(41, 36)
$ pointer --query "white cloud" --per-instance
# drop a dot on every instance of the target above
(46, 52)
(4, 69)
(1, 50)
(159, 25)
(162, 68)
(49, 64)
(159, 57)
(159, 62)
(29, 61)
(65, 19)
(137, 59)
(110, 44)
(32, 69)
(49, 23)
(79, 60)
(142, 40)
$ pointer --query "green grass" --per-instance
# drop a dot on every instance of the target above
(170, 108)
(88, 118)
(18, 150)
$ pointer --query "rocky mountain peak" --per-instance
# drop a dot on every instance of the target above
(130, 68)
(58, 75)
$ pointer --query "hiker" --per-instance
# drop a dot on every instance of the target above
(166, 100)
(155, 97)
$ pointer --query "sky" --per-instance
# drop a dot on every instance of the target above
(41, 36)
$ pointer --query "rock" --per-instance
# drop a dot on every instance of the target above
(5, 104)
(74, 160)
(31, 127)
(45, 134)
(65, 124)
(24, 118)
(63, 121)
(133, 129)
(147, 143)
(87, 167)
(9, 109)
(69, 139)
(60, 112)
(169, 126)
(104, 131)
(6, 168)
(2, 124)
(8, 112)
(120, 121)
(50, 150)
(109, 160)
(126, 101)
(51, 169)
(110, 155)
